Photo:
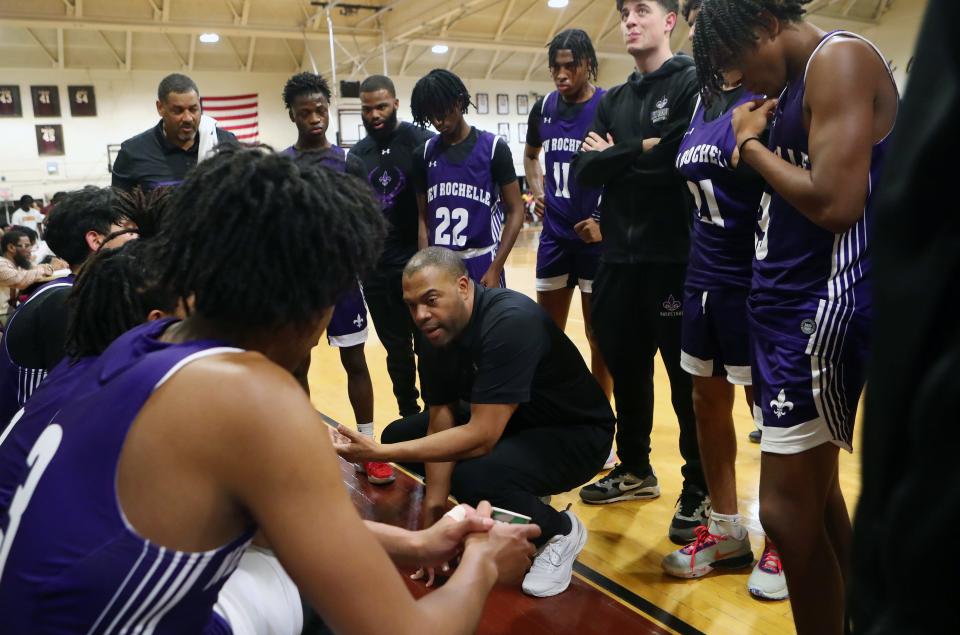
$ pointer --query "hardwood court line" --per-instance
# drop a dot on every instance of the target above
(625, 596)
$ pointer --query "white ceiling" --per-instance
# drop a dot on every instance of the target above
(487, 38)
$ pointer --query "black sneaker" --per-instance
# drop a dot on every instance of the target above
(620, 485)
(755, 436)
(693, 509)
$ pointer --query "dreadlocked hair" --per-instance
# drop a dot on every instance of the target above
(115, 291)
(304, 84)
(251, 239)
(725, 28)
(580, 46)
(436, 95)
(145, 209)
(689, 6)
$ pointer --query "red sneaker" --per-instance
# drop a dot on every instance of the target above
(377, 473)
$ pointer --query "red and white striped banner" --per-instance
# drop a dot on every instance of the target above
(236, 113)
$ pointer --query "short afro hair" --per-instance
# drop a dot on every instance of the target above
(304, 84)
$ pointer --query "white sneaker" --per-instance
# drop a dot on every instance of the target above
(767, 581)
(611, 459)
(553, 566)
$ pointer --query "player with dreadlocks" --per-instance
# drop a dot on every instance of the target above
(202, 438)
(117, 290)
(810, 301)
(307, 98)
(569, 250)
(715, 338)
(33, 343)
(465, 181)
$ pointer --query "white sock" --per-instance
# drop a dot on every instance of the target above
(365, 429)
(727, 525)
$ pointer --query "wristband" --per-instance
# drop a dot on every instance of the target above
(746, 141)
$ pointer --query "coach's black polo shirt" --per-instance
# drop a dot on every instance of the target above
(150, 161)
(512, 352)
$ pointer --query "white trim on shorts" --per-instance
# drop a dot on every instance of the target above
(348, 340)
(736, 375)
(259, 598)
(556, 283)
(809, 434)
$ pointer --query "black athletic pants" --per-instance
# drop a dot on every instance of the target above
(524, 465)
(395, 328)
(637, 311)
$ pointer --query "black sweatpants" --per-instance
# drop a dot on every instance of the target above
(525, 464)
(637, 311)
(395, 328)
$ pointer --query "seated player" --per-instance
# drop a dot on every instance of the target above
(514, 414)
(465, 180)
(127, 503)
(35, 333)
(307, 98)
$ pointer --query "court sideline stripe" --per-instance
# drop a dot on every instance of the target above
(631, 599)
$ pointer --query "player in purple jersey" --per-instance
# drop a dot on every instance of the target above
(467, 189)
(34, 339)
(715, 342)
(307, 97)
(191, 458)
(569, 249)
(810, 299)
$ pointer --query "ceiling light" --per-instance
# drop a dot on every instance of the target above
(440, 49)
(557, 4)
(209, 38)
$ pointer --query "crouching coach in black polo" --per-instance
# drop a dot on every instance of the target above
(514, 413)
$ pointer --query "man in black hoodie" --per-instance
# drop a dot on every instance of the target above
(644, 222)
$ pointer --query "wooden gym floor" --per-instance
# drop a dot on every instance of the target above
(627, 540)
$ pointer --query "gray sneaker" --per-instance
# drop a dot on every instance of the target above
(621, 485)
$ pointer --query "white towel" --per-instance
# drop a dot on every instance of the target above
(208, 137)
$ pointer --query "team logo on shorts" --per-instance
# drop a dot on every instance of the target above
(358, 321)
(808, 327)
(672, 308)
(780, 405)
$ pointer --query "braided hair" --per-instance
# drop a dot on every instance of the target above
(255, 240)
(580, 46)
(304, 84)
(115, 291)
(144, 209)
(689, 6)
(436, 95)
(725, 28)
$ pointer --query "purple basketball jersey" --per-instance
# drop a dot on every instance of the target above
(69, 560)
(810, 286)
(463, 200)
(334, 158)
(567, 202)
(17, 383)
(721, 246)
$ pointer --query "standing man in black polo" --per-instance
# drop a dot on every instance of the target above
(165, 153)
(514, 414)
(387, 154)
(645, 222)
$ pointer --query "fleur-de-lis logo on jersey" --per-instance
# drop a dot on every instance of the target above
(671, 304)
(385, 179)
(780, 405)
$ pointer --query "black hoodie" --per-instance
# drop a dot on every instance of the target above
(644, 214)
